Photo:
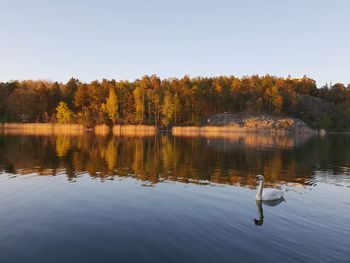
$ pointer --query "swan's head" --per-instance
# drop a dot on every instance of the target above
(260, 178)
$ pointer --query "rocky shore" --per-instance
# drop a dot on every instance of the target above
(258, 122)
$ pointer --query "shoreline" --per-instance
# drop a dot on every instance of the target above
(76, 129)
(213, 130)
(138, 130)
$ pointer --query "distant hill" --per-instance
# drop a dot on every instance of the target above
(317, 112)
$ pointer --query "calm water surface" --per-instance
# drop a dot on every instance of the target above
(173, 199)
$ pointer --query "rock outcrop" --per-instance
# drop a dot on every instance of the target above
(258, 122)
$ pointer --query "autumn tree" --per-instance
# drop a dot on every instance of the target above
(64, 114)
(4, 93)
(69, 91)
(168, 109)
(111, 106)
(22, 105)
(177, 106)
(139, 96)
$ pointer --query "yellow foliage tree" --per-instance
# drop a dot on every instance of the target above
(64, 114)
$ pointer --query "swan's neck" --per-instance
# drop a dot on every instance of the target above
(260, 191)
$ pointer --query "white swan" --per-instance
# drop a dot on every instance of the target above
(266, 194)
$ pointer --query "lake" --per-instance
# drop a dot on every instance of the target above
(173, 199)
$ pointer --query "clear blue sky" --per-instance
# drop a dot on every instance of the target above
(128, 39)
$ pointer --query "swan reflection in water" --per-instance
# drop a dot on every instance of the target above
(259, 203)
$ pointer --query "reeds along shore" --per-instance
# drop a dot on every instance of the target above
(126, 130)
(76, 129)
(129, 130)
(41, 128)
(134, 130)
(102, 130)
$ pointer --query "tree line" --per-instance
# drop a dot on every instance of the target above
(166, 102)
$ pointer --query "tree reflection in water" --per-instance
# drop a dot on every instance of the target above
(230, 160)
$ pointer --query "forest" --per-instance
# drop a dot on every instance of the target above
(174, 101)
